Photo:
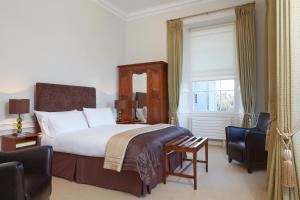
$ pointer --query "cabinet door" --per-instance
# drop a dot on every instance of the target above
(154, 96)
(125, 92)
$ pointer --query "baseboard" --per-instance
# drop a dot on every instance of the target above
(216, 142)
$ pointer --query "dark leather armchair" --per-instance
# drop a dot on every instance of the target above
(26, 174)
(248, 144)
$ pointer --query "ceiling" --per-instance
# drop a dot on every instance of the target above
(129, 9)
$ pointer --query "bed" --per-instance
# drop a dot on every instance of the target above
(83, 164)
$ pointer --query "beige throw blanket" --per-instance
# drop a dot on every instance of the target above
(117, 145)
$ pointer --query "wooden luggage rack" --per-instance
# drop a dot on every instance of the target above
(185, 144)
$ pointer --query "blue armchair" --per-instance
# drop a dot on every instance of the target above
(248, 144)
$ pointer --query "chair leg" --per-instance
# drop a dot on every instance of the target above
(249, 169)
(229, 159)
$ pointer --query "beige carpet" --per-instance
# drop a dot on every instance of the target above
(223, 181)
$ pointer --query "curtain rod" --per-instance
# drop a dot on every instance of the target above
(206, 13)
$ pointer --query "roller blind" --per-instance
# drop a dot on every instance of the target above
(212, 52)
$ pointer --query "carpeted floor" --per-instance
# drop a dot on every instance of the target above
(223, 181)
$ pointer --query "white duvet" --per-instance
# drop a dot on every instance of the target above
(88, 142)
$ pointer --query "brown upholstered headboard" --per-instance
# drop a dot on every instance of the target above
(53, 97)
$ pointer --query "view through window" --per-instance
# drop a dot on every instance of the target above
(212, 96)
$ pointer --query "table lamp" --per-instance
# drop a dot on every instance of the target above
(120, 105)
(19, 106)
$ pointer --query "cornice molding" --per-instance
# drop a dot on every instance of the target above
(111, 8)
(149, 11)
(164, 8)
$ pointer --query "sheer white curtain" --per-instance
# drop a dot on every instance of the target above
(185, 105)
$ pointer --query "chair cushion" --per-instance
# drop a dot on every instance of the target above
(37, 187)
(237, 151)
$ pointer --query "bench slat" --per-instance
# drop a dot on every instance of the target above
(183, 143)
(176, 139)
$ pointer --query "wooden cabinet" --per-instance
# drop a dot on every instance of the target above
(157, 90)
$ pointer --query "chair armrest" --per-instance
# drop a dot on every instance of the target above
(11, 181)
(256, 139)
(236, 134)
(36, 160)
(255, 146)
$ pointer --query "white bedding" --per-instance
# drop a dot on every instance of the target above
(88, 142)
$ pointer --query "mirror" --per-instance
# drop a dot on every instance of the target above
(139, 89)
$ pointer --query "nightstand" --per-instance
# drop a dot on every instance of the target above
(13, 143)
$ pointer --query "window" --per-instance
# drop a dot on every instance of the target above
(212, 96)
(210, 75)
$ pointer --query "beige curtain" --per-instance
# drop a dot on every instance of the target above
(175, 54)
(246, 47)
(276, 191)
(273, 144)
(295, 57)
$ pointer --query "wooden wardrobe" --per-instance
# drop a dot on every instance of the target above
(156, 94)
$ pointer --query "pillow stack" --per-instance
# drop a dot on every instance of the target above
(55, 123)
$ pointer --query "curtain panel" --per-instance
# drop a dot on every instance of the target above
(175, 57)
(246, 48)
(281, 179)
(270, 69)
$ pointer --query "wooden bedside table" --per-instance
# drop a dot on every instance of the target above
(13, 143)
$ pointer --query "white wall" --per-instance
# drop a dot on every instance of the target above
(146, 37)
(58, 41)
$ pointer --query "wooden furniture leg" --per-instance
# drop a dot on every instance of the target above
(181, 160)
(186, 144)
(206, 156)
(195, 169)
(165, 157)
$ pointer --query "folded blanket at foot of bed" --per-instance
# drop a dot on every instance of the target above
(144, 151)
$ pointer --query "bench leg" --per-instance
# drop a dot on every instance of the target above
(195, 169)
(206, 156)
(181, 160)
(165, 158)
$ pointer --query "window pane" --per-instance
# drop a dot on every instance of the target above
(201, 101)
(213, 96)
(218, 85)
(200, 86)
(227, 101)
(227, 85)
(212, 85)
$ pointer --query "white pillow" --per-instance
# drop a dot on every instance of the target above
(47, 126)
(43, 120)
(99, 116)
(67, 122)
